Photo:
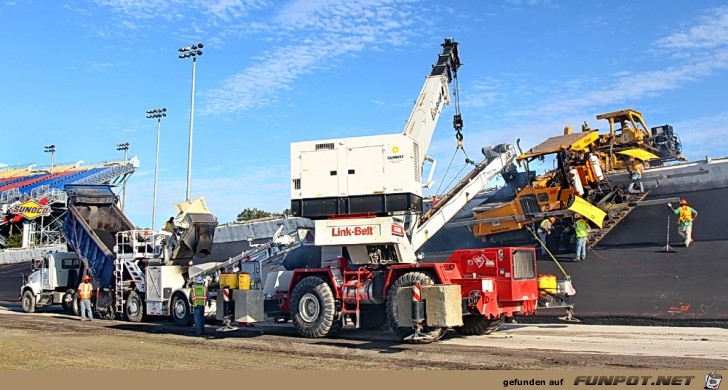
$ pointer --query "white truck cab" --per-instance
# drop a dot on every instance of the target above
(53, 281)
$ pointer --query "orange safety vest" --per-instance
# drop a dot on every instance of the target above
(84, 290)
(686, 215)
(198, 295)
(638, 167)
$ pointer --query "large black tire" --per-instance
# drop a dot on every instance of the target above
(313, 308)
(407, 280)
(75, 305)
(134, 307)
(27, 301)
(181, 311)
(111, 313)
(476, 325)
(373, 317)
(67, 301)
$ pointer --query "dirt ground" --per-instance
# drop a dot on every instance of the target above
(54, 340)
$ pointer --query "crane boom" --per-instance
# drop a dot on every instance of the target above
(434, 96)
(431, 222)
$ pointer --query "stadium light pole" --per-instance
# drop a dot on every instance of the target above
(52, 150)
(156, 114)
(125, 148)
(191, 52)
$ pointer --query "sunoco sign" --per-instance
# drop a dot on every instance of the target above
(31, 210)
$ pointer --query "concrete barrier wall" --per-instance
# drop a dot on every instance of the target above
(13, 256)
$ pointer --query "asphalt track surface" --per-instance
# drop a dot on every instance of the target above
(629, 279)
(630, 274)
(11, 278)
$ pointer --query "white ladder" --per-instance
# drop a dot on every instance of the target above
(118, 291)
(136, 274)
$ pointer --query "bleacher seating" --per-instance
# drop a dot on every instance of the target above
(17, 179)
(46, 181)
(13, 172)
(107, 174)
(37, 184)
(26, 181)
(76, 177)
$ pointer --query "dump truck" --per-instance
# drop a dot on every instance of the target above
(135, 272)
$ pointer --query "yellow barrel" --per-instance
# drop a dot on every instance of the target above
(547, 283)
(229, 280)
(244, 281)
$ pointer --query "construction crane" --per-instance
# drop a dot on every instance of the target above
(365, 197)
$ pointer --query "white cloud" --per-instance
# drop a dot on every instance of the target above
(699, 51)
(711, 33)
(698, 135)
(224, 10)
(101, 66)
(325, 32)
(333, 30)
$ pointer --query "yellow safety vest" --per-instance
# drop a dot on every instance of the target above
(686, 214)
(84, 290)
(582, 228)
(546, 225)
(199, 295)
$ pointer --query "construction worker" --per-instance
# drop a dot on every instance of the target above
(198, 297)
(625, 126)
(635, 170)
(84, 295)
(169, 225)
(686, 216)
(544, 229)
(581, 228)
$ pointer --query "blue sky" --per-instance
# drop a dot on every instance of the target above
(82, 74)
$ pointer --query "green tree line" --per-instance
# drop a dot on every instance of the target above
(254, 213)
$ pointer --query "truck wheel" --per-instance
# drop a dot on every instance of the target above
(75, 309)
(111, 312)
(313, 308)
(406, 280)
(134, 307)
(28, 302)
(68, 299)
(373, 317)
(476, 325)
(181, 313)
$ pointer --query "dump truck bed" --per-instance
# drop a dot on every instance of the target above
(90, 228)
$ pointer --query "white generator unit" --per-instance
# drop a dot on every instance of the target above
(379, 174)
(376, 174)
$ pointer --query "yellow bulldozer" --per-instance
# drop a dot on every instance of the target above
(579, 184)
(628, 131)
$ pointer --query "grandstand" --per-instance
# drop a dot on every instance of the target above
(44, 185)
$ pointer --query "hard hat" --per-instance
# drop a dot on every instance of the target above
(198, 280)
(86, 277)
(683, 201)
